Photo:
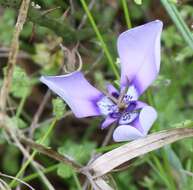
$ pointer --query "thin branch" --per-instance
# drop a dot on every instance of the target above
(39, 113)
(84, 18)
(14, 49)
(13, 53)
(108, 136)
(12, 134)
(51, 153)
(11, 177)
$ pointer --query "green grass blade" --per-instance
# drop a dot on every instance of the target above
(126, 13)
(100, 38)
(179, 22)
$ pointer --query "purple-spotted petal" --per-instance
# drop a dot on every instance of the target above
(128, 117)
(137, 129)
(107, 122)
(131, 95)
(106, 106)
(139, 52)
(76, 91)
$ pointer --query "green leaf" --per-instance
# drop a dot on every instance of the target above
(1, 83)
(18, 122)
(179, 21)
(42, 55)
(50, 62)
(10, 162)
(138, 2)
(175, 162)
(173, 1)
(187, 123)
(58, 107)
(79, 152)
(64, 170)
(21, 84)
(41, 131)
(7, 26)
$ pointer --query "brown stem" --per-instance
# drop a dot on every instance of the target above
(13, 53)
(39, 113)
(51, 153)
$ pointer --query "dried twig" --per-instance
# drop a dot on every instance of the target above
(13, 53)
(11, 177)
(14, 134)
(84, 18)
(39, 113)
(99, 182)
(51, 153)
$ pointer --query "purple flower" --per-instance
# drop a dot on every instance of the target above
(139, 52)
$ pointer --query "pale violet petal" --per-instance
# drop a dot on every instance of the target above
(126, 133)
(139, 52)
(76, 91)
(147, 117)
(107, 122)
(140, 105)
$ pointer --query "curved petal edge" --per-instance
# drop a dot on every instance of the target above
(76, 91)
(139, 52)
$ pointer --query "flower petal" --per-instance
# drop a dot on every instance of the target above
(112, 90)
(128, 117)
(139, 52)
(108, 121)
(76, 91)
(140, 105)
(126, 133)
(147, 117)
(106, 106)
(137, 129)
(131, 95)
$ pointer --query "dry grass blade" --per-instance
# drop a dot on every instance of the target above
(118, 156)
(6, 186)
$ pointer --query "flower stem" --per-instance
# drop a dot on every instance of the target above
(21, 105)
(35, 175)
(77, 182)
(100, 38)
(126, 13)
(14, 49)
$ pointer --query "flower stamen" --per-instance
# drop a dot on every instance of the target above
(121, 105)
(112, 98)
